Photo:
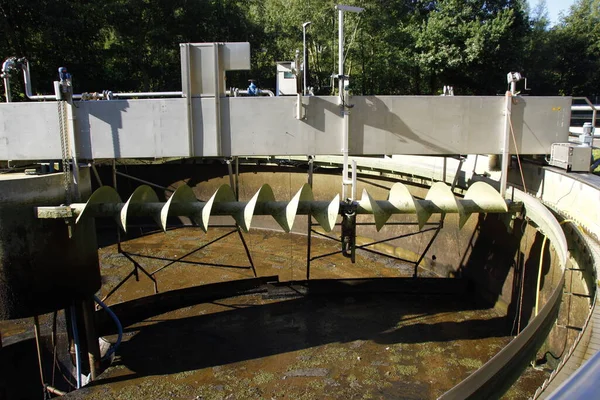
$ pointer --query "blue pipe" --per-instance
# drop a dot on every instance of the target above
(77, 346)
(119, 328)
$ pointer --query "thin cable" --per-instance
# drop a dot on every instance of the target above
(353, 36)
(517, 321)
(36, 327)
(512, 132)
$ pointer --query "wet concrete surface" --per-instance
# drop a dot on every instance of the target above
(367, 346)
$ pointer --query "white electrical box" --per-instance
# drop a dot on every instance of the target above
(572, 157)
(287, 83)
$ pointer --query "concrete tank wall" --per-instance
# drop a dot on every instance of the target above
(41, 268)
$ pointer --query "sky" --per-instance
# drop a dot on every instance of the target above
(554, 8)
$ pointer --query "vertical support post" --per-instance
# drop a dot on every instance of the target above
(353, 198)
(304, 58)
(187, 90)
(345, 134)
(309, 219)
(461, 160)
(343, 97)
(217, 75)
(73, 146)
(345, 115)
(233, 179)
(77, 345)
(341, 52)
(444, 169)
(114, 179)
(93, 348)
(506, 143)
(237, 180)
(230, 171)
(475, 164)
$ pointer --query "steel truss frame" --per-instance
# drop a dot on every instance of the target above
(138, 267)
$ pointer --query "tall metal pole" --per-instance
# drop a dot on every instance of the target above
(304, 58)
(340, 53)
(342, 100)
(346, 117)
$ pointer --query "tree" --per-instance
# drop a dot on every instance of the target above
(471, 44)
(578, 50)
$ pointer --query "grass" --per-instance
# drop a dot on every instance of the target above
(596, 156)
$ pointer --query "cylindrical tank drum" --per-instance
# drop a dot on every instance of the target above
(41, 268)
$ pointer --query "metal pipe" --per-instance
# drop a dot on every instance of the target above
(7, 66)
(304, 59)
(261, 208)
(217, 84)
(237, 178)
(188, 97)
(345, 134)
(148, 94)
(55, 391)
(506, 143)
(28, 91)
(340, 53)
(309, 218)
(93, 347)
(134, 94)
(27, 82)
(261, 92)
(7, 87)
(299, 106)
(353, 180)
(342, 100)
(589, 106)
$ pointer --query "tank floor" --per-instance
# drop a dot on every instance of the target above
(328, 346)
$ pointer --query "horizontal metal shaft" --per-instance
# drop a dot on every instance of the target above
(230, 208)
(105, 202)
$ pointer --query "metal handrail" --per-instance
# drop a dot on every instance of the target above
(589, 106)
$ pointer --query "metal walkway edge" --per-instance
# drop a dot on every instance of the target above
(588, 342)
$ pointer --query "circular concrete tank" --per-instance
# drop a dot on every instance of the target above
(41, 268)
(498, 256)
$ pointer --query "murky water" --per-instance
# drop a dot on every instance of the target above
(249, 347)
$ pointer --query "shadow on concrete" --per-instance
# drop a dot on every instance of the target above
(109, 112)
(503, 265)
(248, 331)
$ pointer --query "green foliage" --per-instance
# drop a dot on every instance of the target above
(393, 47)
